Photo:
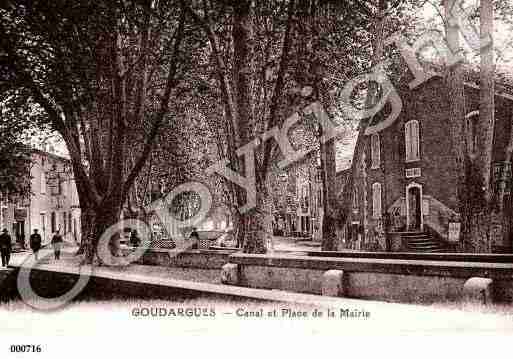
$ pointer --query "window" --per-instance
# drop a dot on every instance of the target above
(375, 151)
(55, 185)
(472, 118)
(355, 198)
(53, 223)
(376, 200)
(69, 222)
(43, 181)
(43, 224)
(64, 222)
(411, 133)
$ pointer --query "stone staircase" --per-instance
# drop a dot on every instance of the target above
(422, 242)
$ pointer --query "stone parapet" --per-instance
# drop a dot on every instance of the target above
(399, 280)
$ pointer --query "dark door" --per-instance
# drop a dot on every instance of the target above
(53, 222)
(414, 208)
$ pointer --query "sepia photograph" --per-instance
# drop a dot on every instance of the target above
(287, 178)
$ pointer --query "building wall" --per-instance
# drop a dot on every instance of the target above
(42, 202)
(289, 188)
(429, 105)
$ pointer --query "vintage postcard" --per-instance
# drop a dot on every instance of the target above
(292, 177)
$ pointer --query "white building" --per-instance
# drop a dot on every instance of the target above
(53, 203)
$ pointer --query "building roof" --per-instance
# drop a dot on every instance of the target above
(49, 154)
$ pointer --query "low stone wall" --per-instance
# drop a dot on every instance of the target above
(194, 258)
(108, 283)
(397, 280)
(452, 257)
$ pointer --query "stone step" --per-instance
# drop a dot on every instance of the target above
(413, 234)
(419, 240)
(422, 242)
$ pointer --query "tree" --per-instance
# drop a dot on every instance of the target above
(487, 94)
(98, 70)
(261, 62)
(15, 157)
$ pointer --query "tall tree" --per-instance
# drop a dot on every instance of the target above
(97, 70)
(487, 96)
(454, 79)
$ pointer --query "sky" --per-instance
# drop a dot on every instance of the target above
(503, 34)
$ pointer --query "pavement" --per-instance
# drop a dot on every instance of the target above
(69, 259)
(294, 244)
(283, 245)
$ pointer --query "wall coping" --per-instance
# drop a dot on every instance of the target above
(222, 290)
(379, 265)
(192, 251)
(458, 257)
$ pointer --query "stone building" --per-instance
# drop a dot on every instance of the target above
(53, 203)
(297, 191)
(296, 200)
(402, 186)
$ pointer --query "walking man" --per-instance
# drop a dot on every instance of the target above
(5, 247)
(57, 244)
(35, 242)
(134, 239)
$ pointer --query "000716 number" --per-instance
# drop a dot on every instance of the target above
(29, 348)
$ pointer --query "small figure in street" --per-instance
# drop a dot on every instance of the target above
(5, 247)
(35, 242)
(134, 239)
(57, 244)
(194, 234)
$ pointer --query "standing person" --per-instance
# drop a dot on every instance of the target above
(35, 242)
(194, 234)
(134, 239)
(57, 244)
(196, 240)
(5, 247)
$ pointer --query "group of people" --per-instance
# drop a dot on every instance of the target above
(35, 244)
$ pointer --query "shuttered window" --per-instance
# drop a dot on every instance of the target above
(376, 200)
(355, 197)
(43, 181)
(375, 151)
(411, 129)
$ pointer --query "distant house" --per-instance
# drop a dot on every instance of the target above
(52, 205)
(296, 200)
(403, 180)
(296, 192)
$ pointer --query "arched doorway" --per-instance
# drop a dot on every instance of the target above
(414, 220)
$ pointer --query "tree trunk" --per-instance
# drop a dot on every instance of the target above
(329, 227)
(358, 168)
(85, 229)
(100, 221)
(487, 105)
(257, 231)
(481, 216)
(457, 110)
(239, 227)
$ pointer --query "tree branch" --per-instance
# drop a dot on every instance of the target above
(164, 108)
(279, 86)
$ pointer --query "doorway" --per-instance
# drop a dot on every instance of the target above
(414, 220)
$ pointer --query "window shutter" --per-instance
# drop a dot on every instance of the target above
(407, 138)
(412, 141)
(43, 182)
(376, 200)
(375, 150)
(415, 140)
